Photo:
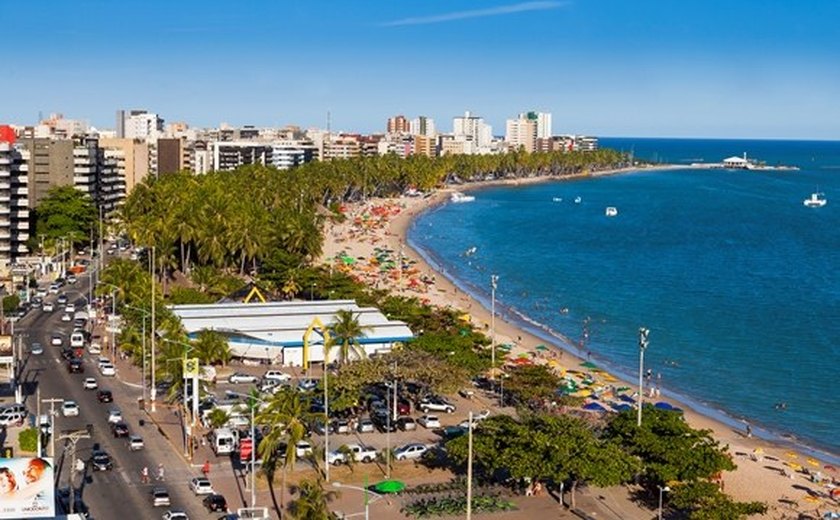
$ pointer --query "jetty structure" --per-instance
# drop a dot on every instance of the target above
(742, 163)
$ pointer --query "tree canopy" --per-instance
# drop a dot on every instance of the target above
(66, 212)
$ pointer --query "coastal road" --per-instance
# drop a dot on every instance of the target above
(107, 494)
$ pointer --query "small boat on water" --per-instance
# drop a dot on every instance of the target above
(460, 197)
(557, 199)
(578, 199)
(816, 200)
(611, 211)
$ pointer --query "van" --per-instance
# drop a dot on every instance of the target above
(77, 340)
(223, 441)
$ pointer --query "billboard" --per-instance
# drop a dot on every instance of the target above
(26, 488)
(6, 354)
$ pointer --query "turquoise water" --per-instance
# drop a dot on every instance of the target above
(736, 279)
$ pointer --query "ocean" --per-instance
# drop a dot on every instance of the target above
(736, 279)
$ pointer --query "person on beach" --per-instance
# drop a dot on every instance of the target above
(749, 431)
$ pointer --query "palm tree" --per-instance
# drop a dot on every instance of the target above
(312, 501)
(286, 413)
(211, 347)
(346, 332)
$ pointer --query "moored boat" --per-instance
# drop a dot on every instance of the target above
(816, 200)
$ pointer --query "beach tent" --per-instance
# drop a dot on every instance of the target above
(622, 407)
(662, 405)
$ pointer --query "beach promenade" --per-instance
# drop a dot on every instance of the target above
(782, 476)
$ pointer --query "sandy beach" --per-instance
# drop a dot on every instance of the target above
(375, 233)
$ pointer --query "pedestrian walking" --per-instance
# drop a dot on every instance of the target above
(749, 431)
(160, 474)
(144, 475)
(206, 468)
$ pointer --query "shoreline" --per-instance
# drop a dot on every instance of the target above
(753, 480)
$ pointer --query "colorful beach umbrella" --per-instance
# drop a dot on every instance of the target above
(814, 462)
(506, 346)
(541, 348)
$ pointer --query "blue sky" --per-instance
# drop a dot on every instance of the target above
(702, 68)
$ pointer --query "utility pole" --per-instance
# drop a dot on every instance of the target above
(52, 423)
(469, 466)
(38, 416)
(153, 390)
(494, 280)
(643, 344)
(71, 438)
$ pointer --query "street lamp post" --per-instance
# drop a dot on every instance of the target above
(662, 490)
(326, 413)
(376, 496)
(153, 390)
(469, 465)
(145, 315)
(494, 280)
(643, 344)
(114, 290)
(253, 444)
(184, 390)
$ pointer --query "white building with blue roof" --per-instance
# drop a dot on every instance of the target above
(275, 331)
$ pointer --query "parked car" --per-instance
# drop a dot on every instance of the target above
(238, 377)
(429, 421)
(36, 349)
(135, 443)
(101, 461)
(120, 429)
(410, 451)
(307, 385)
(215, 502)
(436, 404)
(105, 396)
(201, 486)
(303, 448)
(175, 514)
(403, 407)
(69, 409)
(70, 308)
(276, 375)
(341, 426)
(359, 452)
(48, 307)
(66, 317)
(406, 424)
(90, 384)
(365, 426)
(383, 423)
(62, 299)
(56, 340)
(160, 497)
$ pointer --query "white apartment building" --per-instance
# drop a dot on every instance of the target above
(14, 204)
(472, 128)
(422, 126)
(521, 134)
(288, 154)
(142, 125)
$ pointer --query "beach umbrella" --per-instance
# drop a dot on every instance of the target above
(662, 405)
(814, 462)
(541, 348)
(594, 407)
(506, 346)
(522, 361)
(622, 407)
(791, 455)
(389, 486)
(589, 364)
(829, 468)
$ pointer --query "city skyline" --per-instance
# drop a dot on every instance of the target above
(604, 67)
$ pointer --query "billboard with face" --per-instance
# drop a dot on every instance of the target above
(26, 488)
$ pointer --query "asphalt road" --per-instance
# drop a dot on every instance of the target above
(108, 494)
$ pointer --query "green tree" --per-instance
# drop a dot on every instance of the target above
(10, 303)
(312, 500)
(218, 418)
(211, 348)
(532, 385)
(703, 500)
(346, 331)
(66, 212)
(28, 439)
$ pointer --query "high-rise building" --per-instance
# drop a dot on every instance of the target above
(398, 125)
(49, 164)
(14, 202)
(472, 128)
(423, 126)
(542, 121)
(229, 155)
(521, 134)
(169, 155)
(135, 165)
(138, 124)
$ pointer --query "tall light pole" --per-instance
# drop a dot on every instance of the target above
(194, 412)
(146, 314)
(662, 490)
(114, 290)
(326, 412)
(494, 280)
(154, 330)
(643, 344)
(252, 406)
(469, 465)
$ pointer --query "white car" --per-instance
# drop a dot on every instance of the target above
(477, 418)
(303, 448)
(36, 349)
(107, 369)
(160, 497)
(69, 409)
(66, 317)
(70, 308)
(103, 361)
(135, 443)
(56, 340)
(429, 421)
(90, 384)
(239, 377)
(276, 375)
(95, 348)
(175, 515)
(77, 340)
(114, 416)
(410, 451)
(48, 307)
(201, 486)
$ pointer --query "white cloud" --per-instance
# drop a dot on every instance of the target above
(476, 13)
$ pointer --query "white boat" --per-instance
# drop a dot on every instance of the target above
(460, 197)
(557, 199)
(578, 199)
(611, 211)
(817, 200)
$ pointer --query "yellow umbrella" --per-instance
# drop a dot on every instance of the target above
(791, 455)
(582, 393)
(794, 466)
(814, 462)
(812, 499)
